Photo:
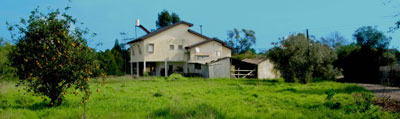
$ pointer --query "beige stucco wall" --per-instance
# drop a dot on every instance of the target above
(135, 48)
(209, 49)
(266, 70)
(176, 36)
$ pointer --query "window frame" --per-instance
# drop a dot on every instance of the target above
(148, 47)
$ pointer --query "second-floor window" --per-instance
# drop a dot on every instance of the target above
(133, 50)
(171, 47)
(150, 48)
(140, 51)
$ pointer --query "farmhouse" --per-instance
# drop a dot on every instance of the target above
(176, 48)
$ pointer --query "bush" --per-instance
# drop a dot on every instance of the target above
(176, 76)
(50, 57)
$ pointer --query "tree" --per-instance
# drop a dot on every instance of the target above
(334, 40)
(300, 60)
(370, 37)
(360, 61)
(166, 19)
(6, 72)
(51, 56)
(119, 59)
(241, 43)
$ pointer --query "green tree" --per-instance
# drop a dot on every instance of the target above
(300, 60)
(6, 72)
(370, 37)
(166, 19)
(118, 58)
(241, 43)
(51, 56)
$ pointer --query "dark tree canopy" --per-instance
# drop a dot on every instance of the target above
(242, 40)
(166, 19)
(370, 37)
(360, 61)
(50, 56)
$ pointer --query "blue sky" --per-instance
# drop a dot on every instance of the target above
(270, 19)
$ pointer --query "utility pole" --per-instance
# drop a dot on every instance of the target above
(201, 29)
(308, 38)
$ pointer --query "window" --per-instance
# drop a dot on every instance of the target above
(133, 50)
(171, 47)
(140, 51)
(197, 66)
(202, 57)
(180, 47)
(150, 48)
(218, 53)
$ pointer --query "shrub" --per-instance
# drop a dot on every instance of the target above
(176, 76)
(51, 57)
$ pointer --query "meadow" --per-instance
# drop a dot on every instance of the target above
(156, 97)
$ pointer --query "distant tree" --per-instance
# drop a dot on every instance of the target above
(119, 59)
(241, 43)
(166, 19)
(370, 37)
(300, 60)
(50, 56)
(6, 71)
(334, 40)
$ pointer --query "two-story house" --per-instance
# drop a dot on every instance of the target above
(175, 48)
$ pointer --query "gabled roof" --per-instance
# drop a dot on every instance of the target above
(254, 60)
(159, 31)
(209, 40)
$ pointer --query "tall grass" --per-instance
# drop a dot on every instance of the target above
(156, 97)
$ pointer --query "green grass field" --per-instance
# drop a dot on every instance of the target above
(123, 97)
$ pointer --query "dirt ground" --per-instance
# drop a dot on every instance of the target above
(383, 91)
(388, 97)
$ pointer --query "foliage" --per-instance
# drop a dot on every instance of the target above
(370, 37)
(241, 43)
(360, 61)
(200, 98)
(50, 56)
(114, 61)
(251, 53)
(176, 76)
(6, 71)
(166, 19)
(334, 40)
(299, 59)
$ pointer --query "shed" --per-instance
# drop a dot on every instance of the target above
(265, 69)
